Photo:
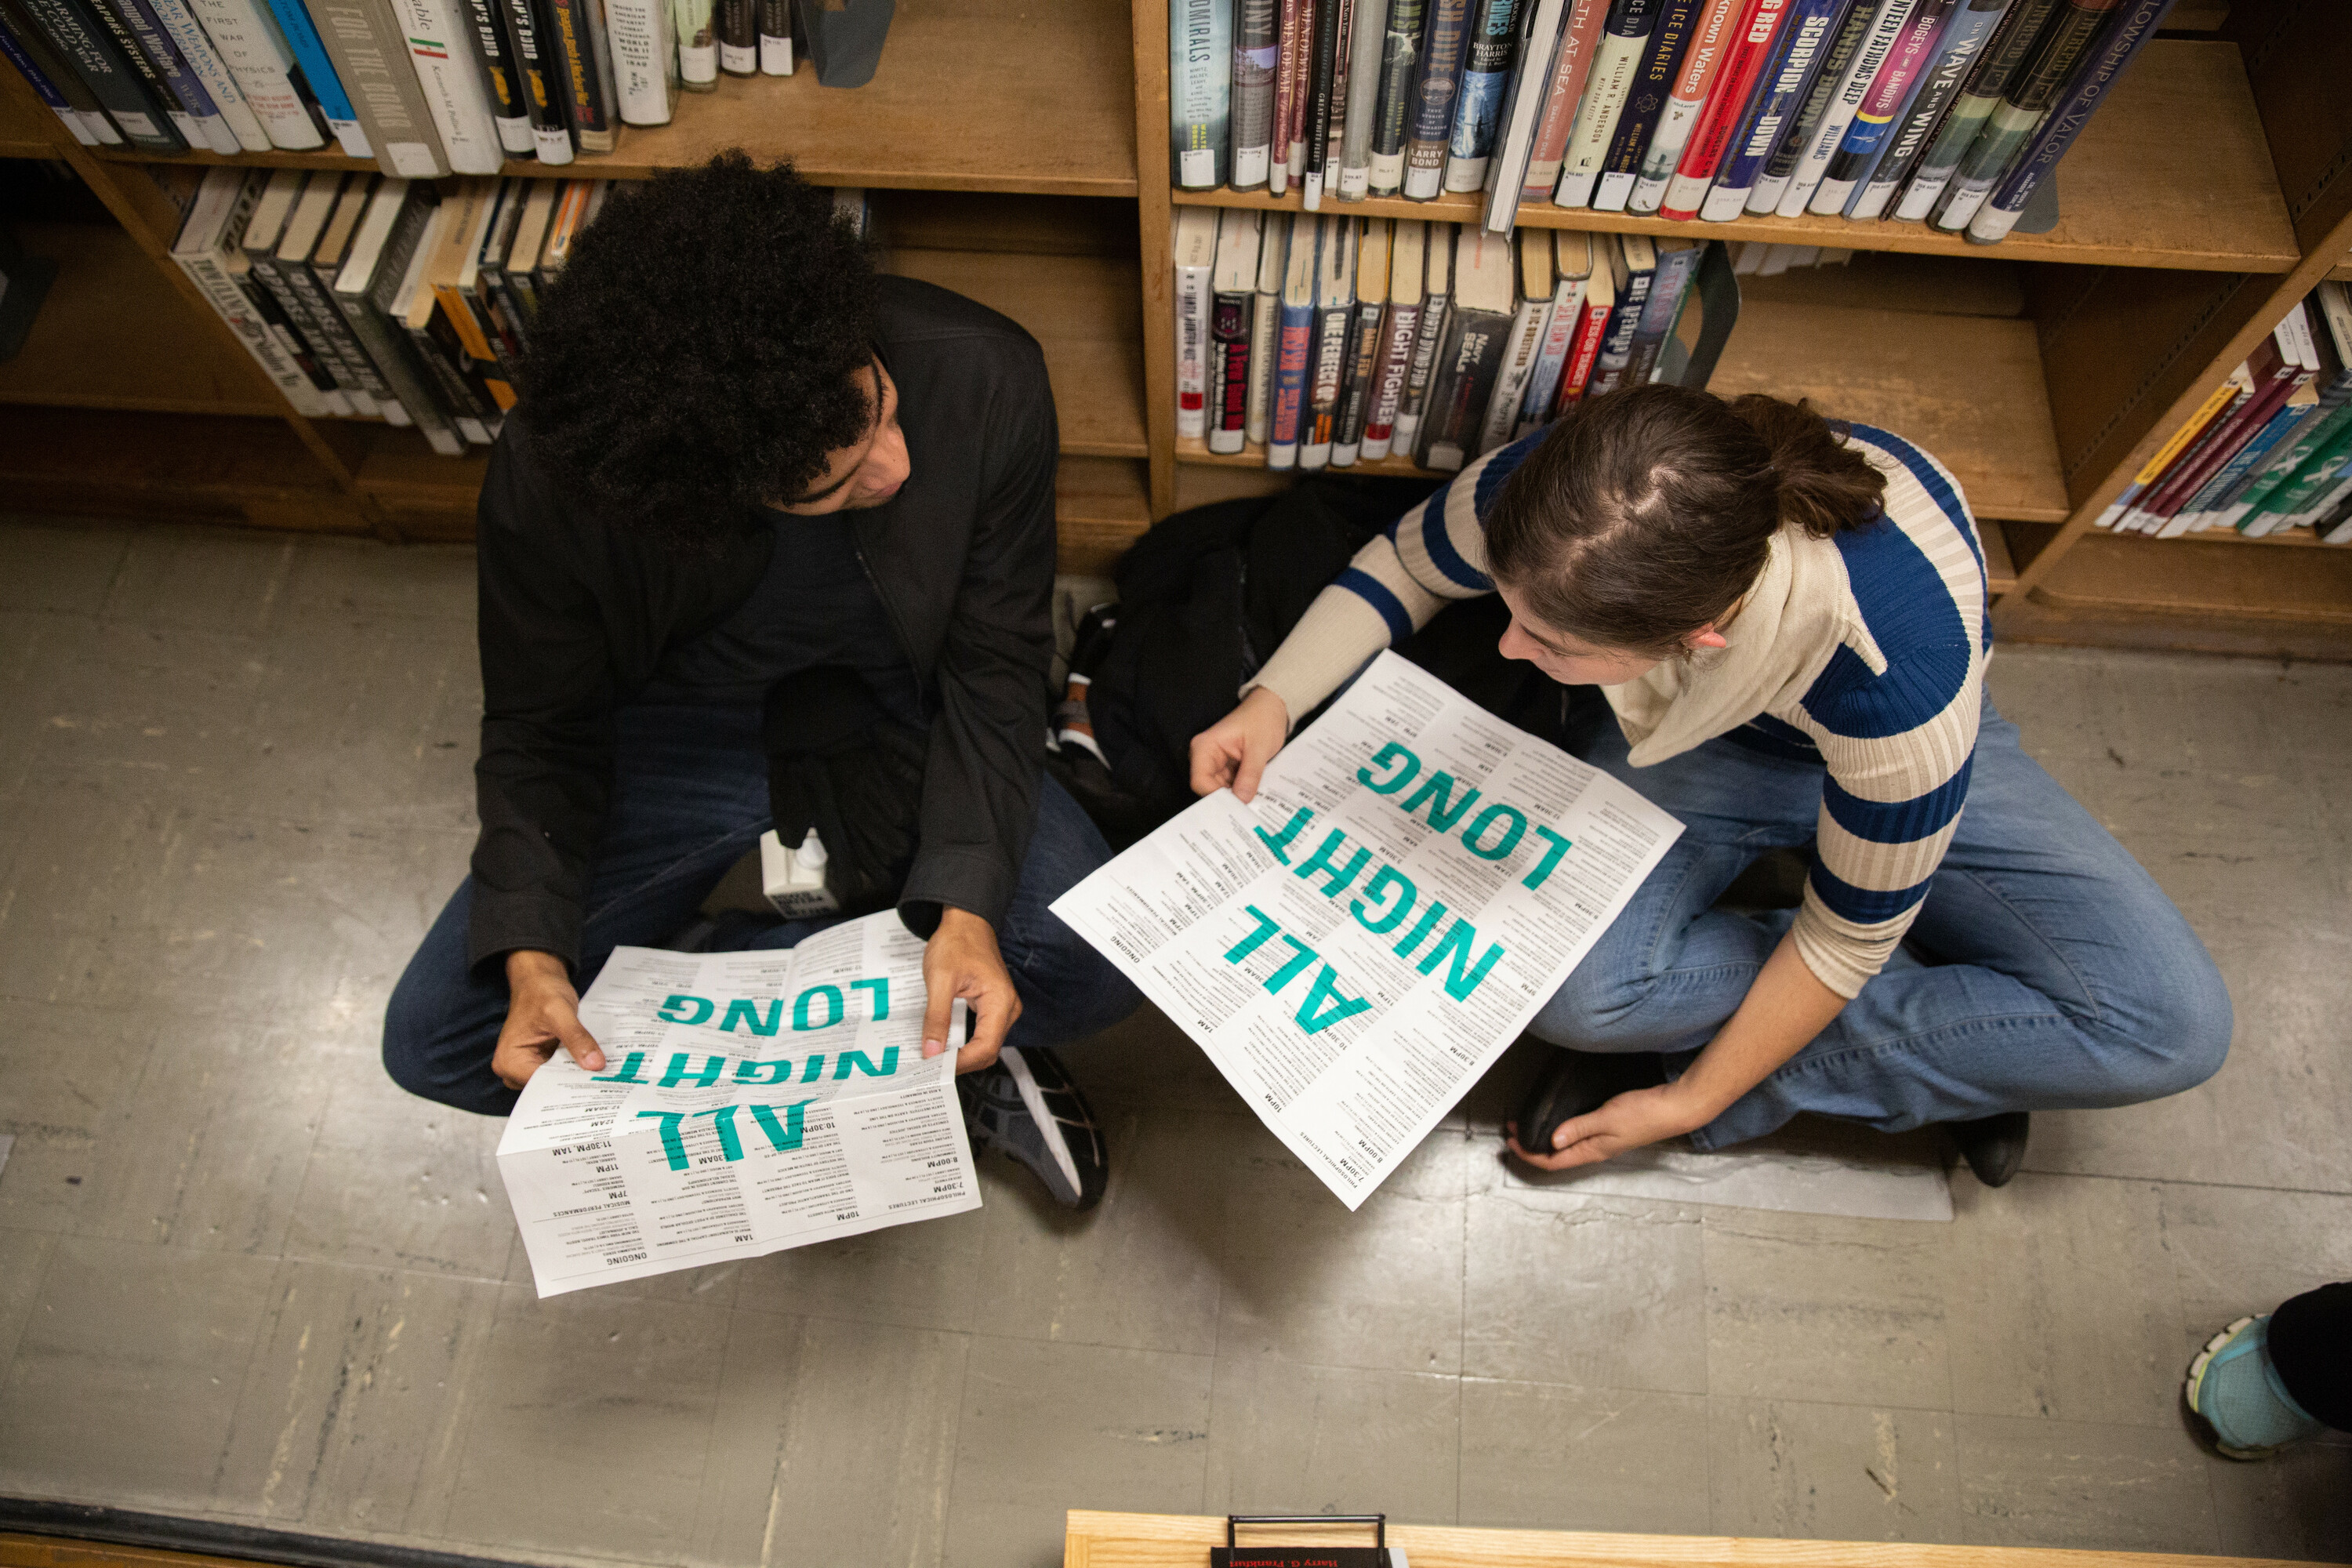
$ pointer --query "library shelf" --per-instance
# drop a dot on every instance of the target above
(1100, 505)
(27, 127)
(214, 467)
(2193, 575)
(1034, 97)
(1086, 312)
(2133, 192)
(114, 332)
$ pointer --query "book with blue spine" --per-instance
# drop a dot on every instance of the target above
(1781, 85)
(1838, 110)
(1294, 347)
(1965, 37)
(1890, 95)
(1200, 93)
(91, 51)
(319, 75)
(1651, 84)
(205, 126)
(1478, 104)
(1796, 133)
(1624, 37)
(1429, 126)
(2004, 55)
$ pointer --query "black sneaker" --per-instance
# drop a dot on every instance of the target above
(1576, 1083)
(1024, 1105)
(1994, 1146)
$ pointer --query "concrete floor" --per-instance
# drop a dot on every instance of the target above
(241, 1276)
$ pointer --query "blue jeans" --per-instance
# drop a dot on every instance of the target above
(2046, 969)
(690, 799)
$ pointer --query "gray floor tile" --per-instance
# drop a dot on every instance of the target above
(1140, 1270)
(870, 1418)
(202, 578)
(568, 1385)
(168, 708)
(1148, 1063)
(1306, 1280)
(1286, 1438)
(401, 1183)
(2296, 1504)
(64, 1070)
(24, 1262)
(1537, 1456)
(352, 1411)
(1831, 1472)
(126, 1376)
(210, 1148)
(2063, 1302)
(63, 565)
(911, 1276)
(1562, 1287)
(2033, 1482)
(360, 581)
(2237, 1251)
(1811, 1306)
(1046, 1428)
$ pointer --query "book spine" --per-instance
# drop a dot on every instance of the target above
(1322, 83)
(201, 125)
(494, 53)
(1723, 23)
(2161, 460)
(1366, 35)
(1199, 71)
(1837, 113)
(1400, 51)
(2306, 485)
(1571, 66)
(2094, 78)
(1295, 349)
(108, 75)
(2005, 54)
(249, 49)
(1617, 346)
(286, 316)
(1478, 102)
(1735, 89)
(39, 80)
(1646, 101)
(2333, 495)
(1192, 351)
(1522, 346)
(1783, 80)
(2064, 44)
(1551, 360)
(542, 104)
(1668, 284)
(698, 45)
(2152, 509)
(1334, 345)
(639, 33)
(1957, 52)
(318, 72)
(1358, 389)
(1429, 342)
(1624, 38)
(1439, 77)
(574, 58)
(776, 39)
(451, 85)
(2218, 491)
(1294, 21)
(1266, 328)
(1583, 354)
(1229, 371)
(401, 376)
(2172, 511)
(1399, 329)
(105, 21)
(1342, 65)
(365, 40)
(598, 30)
(1889, 95)
(188, 36)
(354, 371)
(233, 305)
(2311, 436)
(1257, 51)
(1828, 74)
(1464, 381)
(738, 38)
(89, 119)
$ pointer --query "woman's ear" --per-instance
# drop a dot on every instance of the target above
(1706, 637)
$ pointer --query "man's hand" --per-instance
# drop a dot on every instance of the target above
(1235, 749)
(543, 1017)
(1630, 1121)
(961, 960)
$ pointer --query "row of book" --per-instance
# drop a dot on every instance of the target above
(2271, 451)
(380, 297)
(1947, 111)
(1327, 341)
(426, 87)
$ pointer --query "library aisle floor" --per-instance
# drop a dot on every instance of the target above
(242, 1276)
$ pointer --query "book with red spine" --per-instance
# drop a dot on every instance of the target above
(1735, 84)
(1400, 327)
(1591, 326)
(1577, 39)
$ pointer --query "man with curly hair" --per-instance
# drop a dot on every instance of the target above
(752, 490)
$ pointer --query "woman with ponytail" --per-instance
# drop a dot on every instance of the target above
(1785, 620)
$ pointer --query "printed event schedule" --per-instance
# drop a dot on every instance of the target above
(749, 1102)
(1355, 947)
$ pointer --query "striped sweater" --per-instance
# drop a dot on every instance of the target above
(1864, 653)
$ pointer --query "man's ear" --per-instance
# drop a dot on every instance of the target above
(1707, 637)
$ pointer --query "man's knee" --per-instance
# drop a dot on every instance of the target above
(437, 1056)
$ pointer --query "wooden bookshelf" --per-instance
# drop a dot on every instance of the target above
(114, 334)
(27, 127)
(218, 468)
(2133, 192)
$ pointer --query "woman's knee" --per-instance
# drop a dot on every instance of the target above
(2185, 1035)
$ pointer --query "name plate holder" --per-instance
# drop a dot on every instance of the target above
(1233, 1554)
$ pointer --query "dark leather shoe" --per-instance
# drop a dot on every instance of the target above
(1576, 1083)
(1994, 1146)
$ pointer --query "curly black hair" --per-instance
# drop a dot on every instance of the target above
(697, 353)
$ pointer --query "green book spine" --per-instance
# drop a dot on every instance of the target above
(2310, 481)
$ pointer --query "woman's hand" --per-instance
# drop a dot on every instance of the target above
(1235, 749)
(1631, 1121)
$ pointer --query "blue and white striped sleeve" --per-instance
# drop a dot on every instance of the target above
(1428, 558)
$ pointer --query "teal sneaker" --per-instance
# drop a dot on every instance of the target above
(2233, 1386)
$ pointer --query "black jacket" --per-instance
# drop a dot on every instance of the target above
(576, 612)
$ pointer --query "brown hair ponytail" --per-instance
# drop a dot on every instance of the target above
(1645, 514)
